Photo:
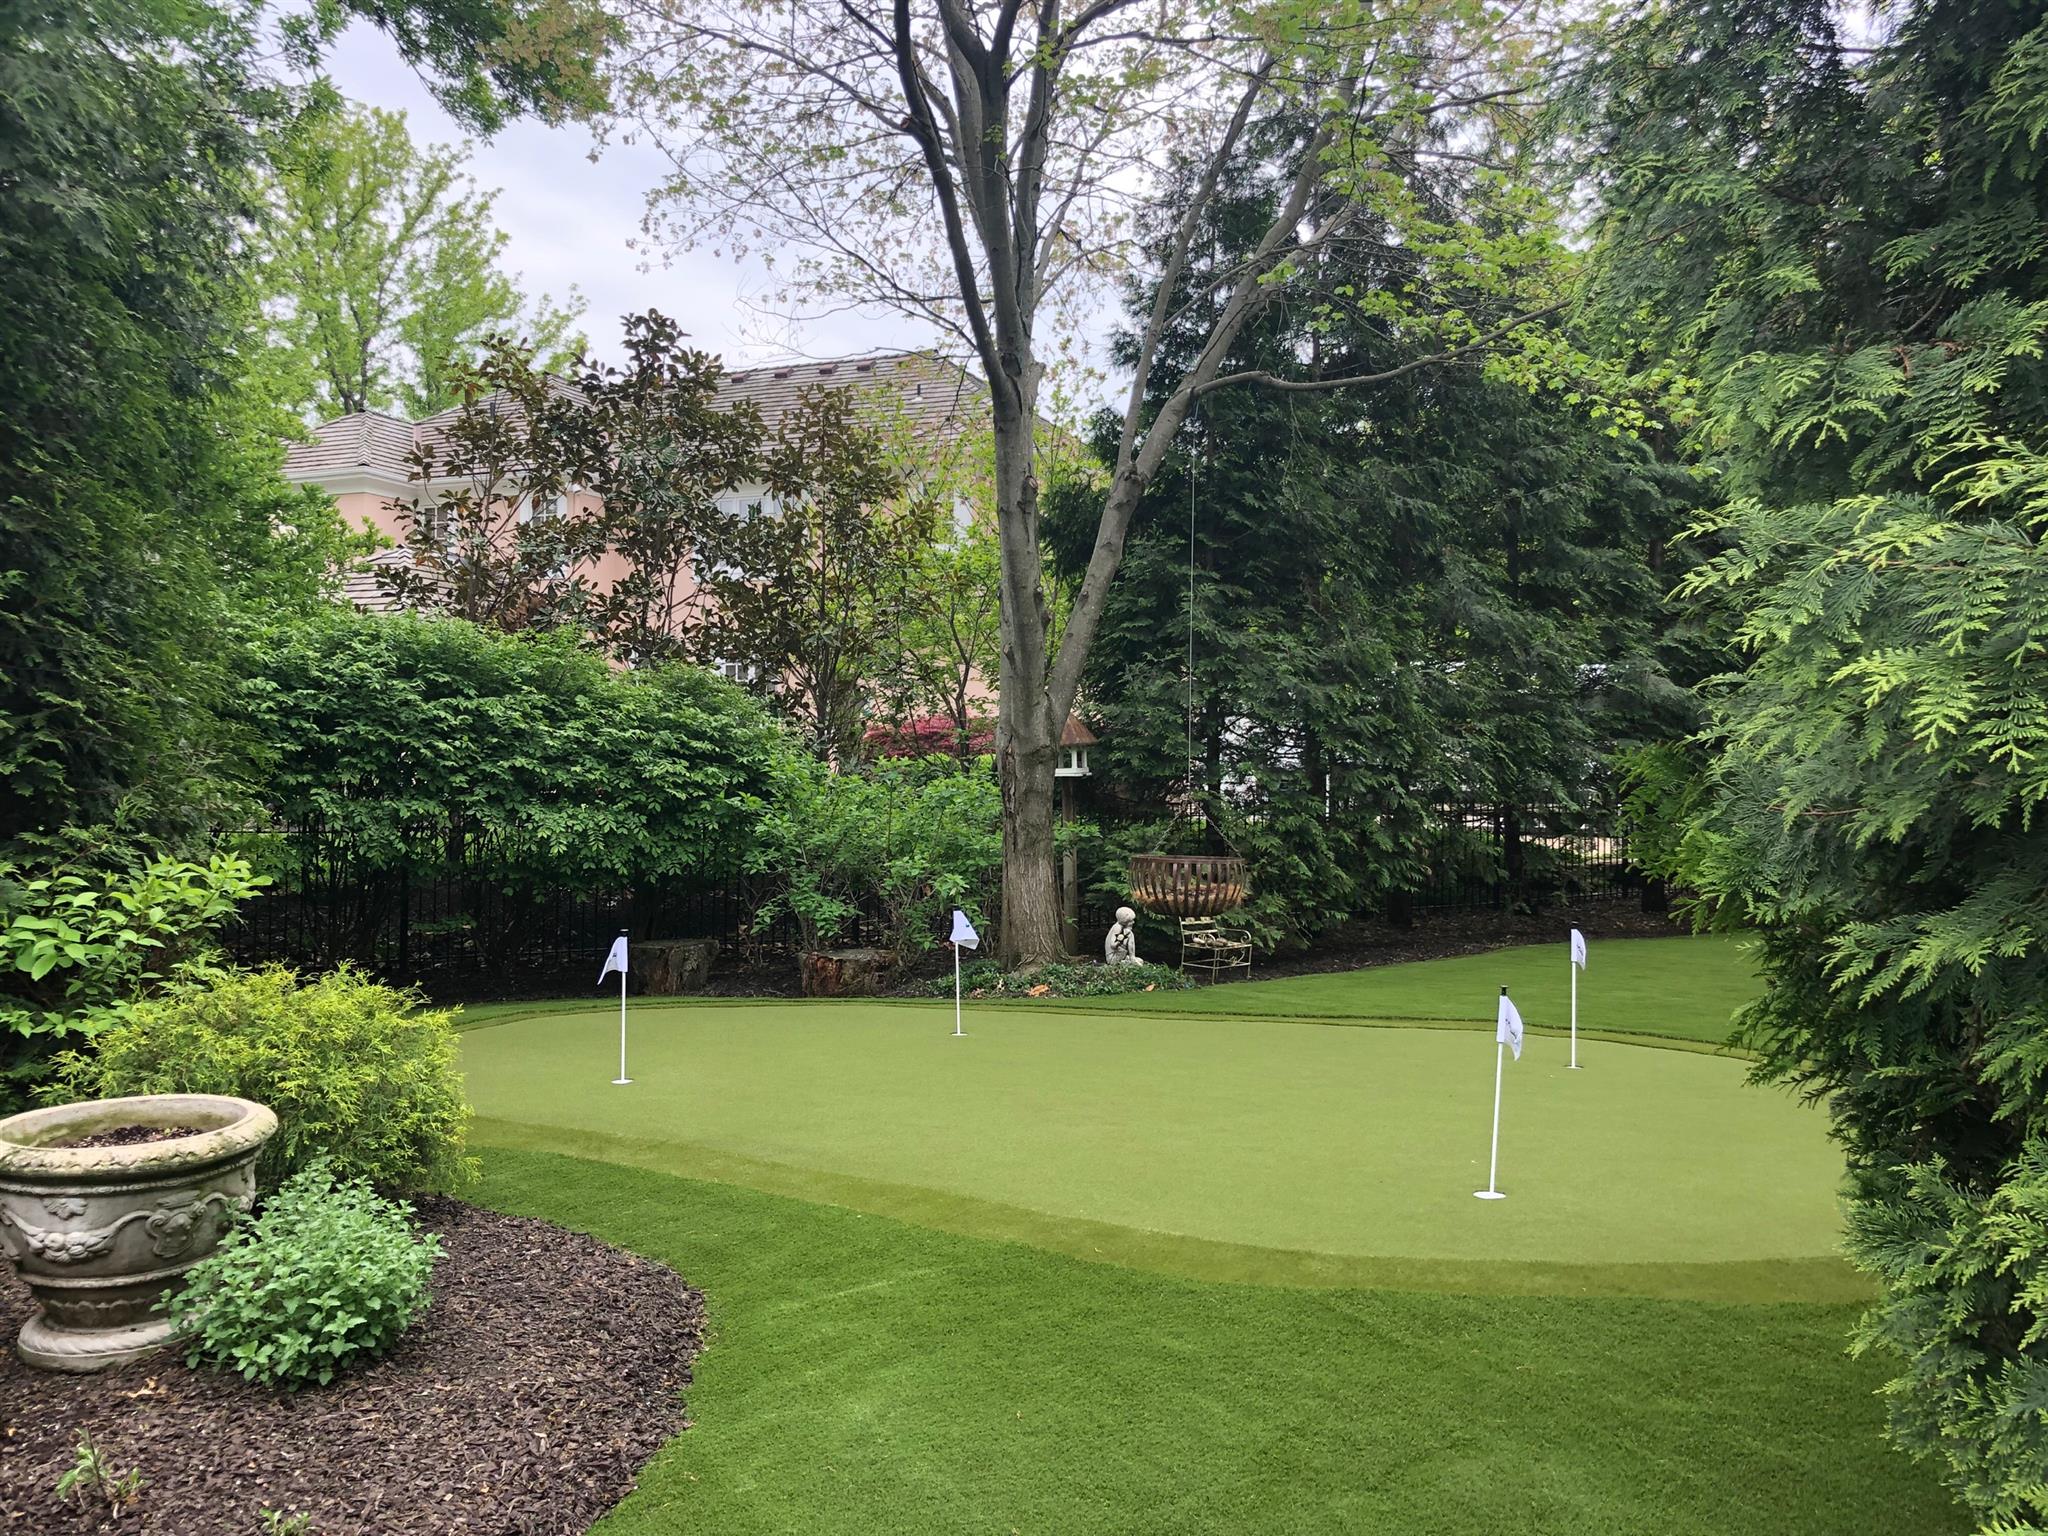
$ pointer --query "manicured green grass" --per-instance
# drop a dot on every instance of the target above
(1681, 988)
(869, 1375)
(1350, 1144)
(1151, 1268)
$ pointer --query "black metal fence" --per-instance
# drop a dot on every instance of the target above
(1476, 857)
(466, 925)
(471, 927)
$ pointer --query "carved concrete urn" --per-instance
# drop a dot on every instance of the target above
(103, 1205)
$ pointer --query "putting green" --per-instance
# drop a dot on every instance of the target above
(1682, 988)
(1355, 1151)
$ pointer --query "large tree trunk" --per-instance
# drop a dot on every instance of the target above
(1027, 724)
(1031, 894)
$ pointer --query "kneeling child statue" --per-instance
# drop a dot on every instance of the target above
(1121, 946)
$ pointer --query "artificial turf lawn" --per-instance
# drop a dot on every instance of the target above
(1353, 1144)
(866, 1375)
(1679, 988)
(958, 1363)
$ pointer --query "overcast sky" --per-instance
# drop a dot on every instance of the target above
(572, 222)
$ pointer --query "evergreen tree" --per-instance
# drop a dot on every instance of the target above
(133, 504)
(1842, 238)
(1441, 590)
(144, 527)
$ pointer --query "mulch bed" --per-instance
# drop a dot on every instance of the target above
(547, 1370)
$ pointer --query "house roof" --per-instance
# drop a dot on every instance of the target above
(360, 584)
(936, 397)
(365, 440)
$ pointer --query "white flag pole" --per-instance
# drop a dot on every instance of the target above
(1492, 1190)
(622, 1080)
(1575, 957)
(1574, 964)
(1493, 1162)
(963, 933)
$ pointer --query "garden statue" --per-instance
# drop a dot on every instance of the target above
(1121, 946)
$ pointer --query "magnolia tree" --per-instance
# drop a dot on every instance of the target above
(985, 165)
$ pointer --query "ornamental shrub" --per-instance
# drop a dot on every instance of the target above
(899, 843)
(360, 1075)
(328, 1275)
(985, 978)
(82, 938)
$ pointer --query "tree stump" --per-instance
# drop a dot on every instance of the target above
(843, 972)
(672, 967)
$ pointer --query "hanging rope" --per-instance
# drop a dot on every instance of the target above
(1194, 468)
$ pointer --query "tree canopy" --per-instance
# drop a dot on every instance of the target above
(382, 269)
(1337, 612)
(978, 165)
(139, 503)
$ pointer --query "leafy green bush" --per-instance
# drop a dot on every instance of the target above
(555, 768)
(329, 1274)
(359, 1074)
(81, 942)
(985, 978)
(903, 839)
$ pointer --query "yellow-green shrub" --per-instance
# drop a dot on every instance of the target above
(360, 1075)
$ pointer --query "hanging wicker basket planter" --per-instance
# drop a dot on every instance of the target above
(1188, 884)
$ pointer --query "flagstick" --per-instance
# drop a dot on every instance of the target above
(622, 1080)
(1575, 1010)
(1493, 1163)
(957, 1030)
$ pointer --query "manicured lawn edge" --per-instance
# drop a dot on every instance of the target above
(1748, 1281)
(490, 1015)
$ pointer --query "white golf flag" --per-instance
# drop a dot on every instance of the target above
(1578, 949)
(1508, 1028)
(616, 960)
(963, 931)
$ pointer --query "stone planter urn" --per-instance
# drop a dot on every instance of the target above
(99, 1232)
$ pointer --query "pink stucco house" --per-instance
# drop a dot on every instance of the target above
(364, 460)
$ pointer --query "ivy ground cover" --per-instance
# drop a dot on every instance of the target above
(1119, 1271)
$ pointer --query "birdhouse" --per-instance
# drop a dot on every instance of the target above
(1075, 740)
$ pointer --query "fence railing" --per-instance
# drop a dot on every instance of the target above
(469, 928)
(463, 926)
(1477, 857)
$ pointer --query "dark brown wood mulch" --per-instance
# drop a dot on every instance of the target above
(548, 1368)
(130, 1136)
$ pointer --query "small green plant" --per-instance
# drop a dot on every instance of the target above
(328, 1275)
(277, 1523)
(92, 1479)
(81, 940)
(985, 978)
(360, 1075)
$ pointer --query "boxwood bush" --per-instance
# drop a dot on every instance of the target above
(360, 1075)
(329, 1274)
